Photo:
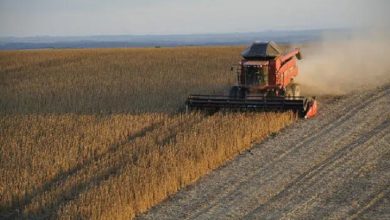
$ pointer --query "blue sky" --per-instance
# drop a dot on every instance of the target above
(111, 17)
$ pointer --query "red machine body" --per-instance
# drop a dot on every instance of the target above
(273, 74)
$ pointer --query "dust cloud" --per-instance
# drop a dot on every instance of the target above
(338, 66)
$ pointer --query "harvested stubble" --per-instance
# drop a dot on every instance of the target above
(62, 156)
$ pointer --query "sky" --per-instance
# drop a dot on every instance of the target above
(21, 18)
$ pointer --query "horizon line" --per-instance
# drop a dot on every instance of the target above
(186, 34)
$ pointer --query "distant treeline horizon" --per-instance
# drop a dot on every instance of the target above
(125, 41)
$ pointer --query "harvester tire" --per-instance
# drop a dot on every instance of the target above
(233, 93)
(289, 91)
(292, 90)
(296, 89)
(237, 92)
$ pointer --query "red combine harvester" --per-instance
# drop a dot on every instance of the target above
(265, 82)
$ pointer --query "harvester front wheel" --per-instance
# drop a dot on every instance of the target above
(237, 92)
(296, 89)
(288, 91)
(233, 92)
(292, 90)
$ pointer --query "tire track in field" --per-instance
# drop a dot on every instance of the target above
(243, 184)
(304, 192)
(377, 208)
(357, 192)
(372, 202)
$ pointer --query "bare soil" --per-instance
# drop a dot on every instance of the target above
(336, 165)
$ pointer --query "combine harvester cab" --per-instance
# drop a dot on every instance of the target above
(265, 82)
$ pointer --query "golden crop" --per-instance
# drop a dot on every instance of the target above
(111, 80)
(98, 133)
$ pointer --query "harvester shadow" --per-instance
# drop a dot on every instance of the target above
(50, 211)
(82, 186)
(96, 180)
(16, 208)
